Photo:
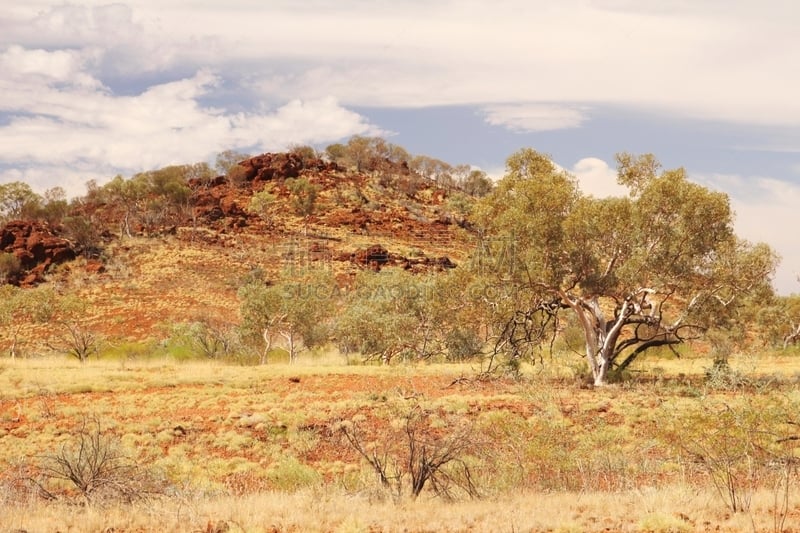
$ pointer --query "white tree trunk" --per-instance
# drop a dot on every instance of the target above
(267, 346)
(600, 336)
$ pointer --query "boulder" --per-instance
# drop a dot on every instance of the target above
(37, 246)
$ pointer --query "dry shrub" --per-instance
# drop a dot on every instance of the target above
(94, 467)
(420, 447)
(742, 447)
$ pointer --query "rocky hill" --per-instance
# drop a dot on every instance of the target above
(143, 263)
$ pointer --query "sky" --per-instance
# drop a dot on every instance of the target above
(89, 90)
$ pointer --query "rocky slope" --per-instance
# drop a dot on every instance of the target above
(191, 263)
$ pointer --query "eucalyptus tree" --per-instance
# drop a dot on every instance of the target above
(18, 201)
(393, 313)
(658, 267)
(296, 309)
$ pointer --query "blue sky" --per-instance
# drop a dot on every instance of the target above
(91, 89)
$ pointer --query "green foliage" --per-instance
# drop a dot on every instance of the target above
(476, 183)
(779, 320)
(366, 153)
(226, 160)
(433, 169)
(336, 153)
(10, 266)
(392, 313)
(296, 310)
(152, 199)
(305, 152)
(38, 305)
(462, 344)
(741, 447)
(655, 268)
(55, 206)
(289, 474)
(18, 201)
(83, 232)
(207, 337)
(304, 195)
(237, 175)
(460, 205)
(130, 350)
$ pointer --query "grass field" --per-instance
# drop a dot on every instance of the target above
(213, 447)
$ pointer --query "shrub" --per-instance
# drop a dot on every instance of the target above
(290, 474)
(77, 340)
(237, 175)
(740, 447)
(95, 465)
(462, 344)
(10, 266)
(419, 447)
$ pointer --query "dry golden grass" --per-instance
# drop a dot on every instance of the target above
(58, 374)
(248, 448)
(676, 509)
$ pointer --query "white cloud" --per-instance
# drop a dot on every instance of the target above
(72, 178)
(596, 178)
(534, 117)
(85, 126)
(93, 88)
(766, 211)
(689, 58)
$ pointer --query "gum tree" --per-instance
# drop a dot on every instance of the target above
(658, 267)
(18, 201)
(393, 313)
(295, 309)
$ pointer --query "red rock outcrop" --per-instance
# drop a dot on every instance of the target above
(217, 200)
(376, 256)
(37, 246)
(222, 198)
(268, 167)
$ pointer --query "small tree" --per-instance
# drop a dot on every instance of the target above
(336, 153)
(130, 196)
(237, 176)
(73, 336)
(22, 307)
(741, 447)
(210, 337)
(304, 195)
(18, 201)
(226, 160)
(55, 206)
(295, 310)
(95, 464)
(261, 204)
(77, 340)
(391, 313)
(82, 231)
(476, 183)
(305, 152)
